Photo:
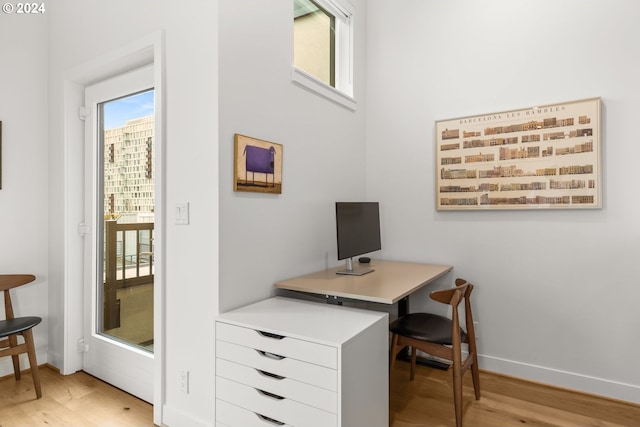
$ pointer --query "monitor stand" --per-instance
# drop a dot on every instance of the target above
(350, 270)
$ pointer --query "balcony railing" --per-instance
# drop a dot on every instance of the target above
(128, 261)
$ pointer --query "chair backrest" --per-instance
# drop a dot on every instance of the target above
(453, 297)
(10, 281)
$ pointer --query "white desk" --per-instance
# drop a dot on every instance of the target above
(391, 282)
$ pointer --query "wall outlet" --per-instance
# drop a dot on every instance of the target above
(184, 381)
(476, 328)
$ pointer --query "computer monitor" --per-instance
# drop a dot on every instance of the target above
(358, 233)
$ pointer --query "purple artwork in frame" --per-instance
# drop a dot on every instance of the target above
(257, 165)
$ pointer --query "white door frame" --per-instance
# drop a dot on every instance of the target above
(142, 52)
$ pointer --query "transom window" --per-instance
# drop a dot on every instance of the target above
(323, 48)
(314, 40)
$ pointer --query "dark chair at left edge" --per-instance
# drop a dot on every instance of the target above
(12, 327)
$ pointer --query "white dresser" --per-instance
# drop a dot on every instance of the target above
(288, 362)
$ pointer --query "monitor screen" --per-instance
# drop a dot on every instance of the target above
(358, 228)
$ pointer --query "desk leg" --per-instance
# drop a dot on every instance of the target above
(403, 306)
(403, 310)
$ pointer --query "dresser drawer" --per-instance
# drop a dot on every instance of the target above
(235, 416)
(286, 387)
(294, 348)
(308, 373)
(275, 407)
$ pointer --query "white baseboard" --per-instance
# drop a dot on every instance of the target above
(173, 417)
(584, 383)
(6, 364)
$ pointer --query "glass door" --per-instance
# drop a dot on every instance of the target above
(120, 198)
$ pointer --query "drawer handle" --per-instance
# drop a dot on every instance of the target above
(271, 395)
(270, 355)
(270, 335)
(270, 420)
(270, 375)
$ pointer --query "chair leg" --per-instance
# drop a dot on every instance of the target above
(33, 363)
(475, 375)
(475, 370)
(457, 393)
(394, 352)
(413, 362)
(13, 341)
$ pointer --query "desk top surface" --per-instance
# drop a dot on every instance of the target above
(388, 283)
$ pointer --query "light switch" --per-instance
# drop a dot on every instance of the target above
(182, 213)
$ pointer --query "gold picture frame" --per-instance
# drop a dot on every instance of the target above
(542, 157)
(257, 165)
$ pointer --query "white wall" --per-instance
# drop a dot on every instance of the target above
(285, 235)
(263, 237)
(425, 60)
(557, 291)
(82, 31)
(23, 197)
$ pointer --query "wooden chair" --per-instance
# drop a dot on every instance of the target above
(441, 337)
(13, 326)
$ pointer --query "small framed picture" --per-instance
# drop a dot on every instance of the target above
(257, 165)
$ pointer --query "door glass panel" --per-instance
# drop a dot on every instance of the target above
(125, 300)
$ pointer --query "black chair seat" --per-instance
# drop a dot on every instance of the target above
(425, 327)
(18, 325)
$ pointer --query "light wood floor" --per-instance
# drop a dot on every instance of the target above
(77, 400)
(505, 401)
(82, 400)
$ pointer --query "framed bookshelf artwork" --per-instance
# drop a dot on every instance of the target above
(542, 157)
(257, 165)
